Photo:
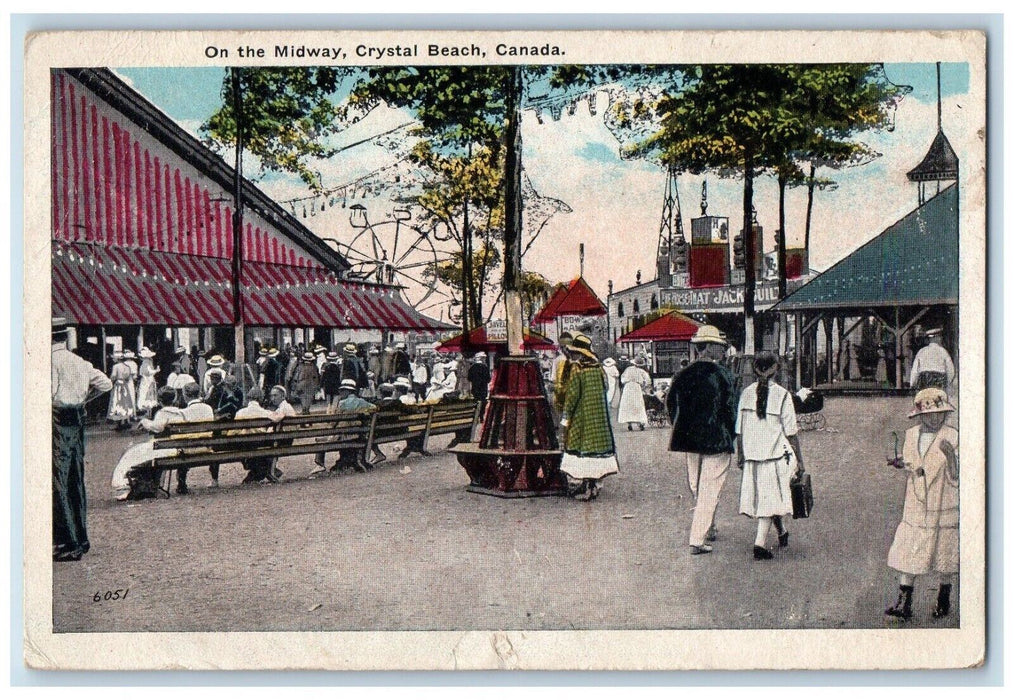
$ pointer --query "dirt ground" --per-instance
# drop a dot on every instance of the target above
(388, 550)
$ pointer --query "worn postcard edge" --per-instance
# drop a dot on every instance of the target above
(483, 649)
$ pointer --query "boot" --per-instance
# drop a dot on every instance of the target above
(903, 608)
(943, 606)
(783, 534)
(761, 553)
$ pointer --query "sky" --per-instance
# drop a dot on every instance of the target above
(615, 205)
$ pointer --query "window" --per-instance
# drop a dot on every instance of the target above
(619, 309)
(637, 307)
(654, 301)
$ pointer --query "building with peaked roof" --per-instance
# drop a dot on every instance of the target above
(885, 293)
(668, 338)
(573, 307)
(142, 239)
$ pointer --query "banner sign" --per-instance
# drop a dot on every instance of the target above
(719, 298)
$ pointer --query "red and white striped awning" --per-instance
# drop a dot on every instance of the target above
(109, 285)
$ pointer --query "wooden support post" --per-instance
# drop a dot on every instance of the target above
(426, 432)
(798, 323)
(373, 427)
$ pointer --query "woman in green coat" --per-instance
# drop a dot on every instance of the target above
(589, 450)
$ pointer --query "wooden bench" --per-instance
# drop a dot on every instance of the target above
(204, 443)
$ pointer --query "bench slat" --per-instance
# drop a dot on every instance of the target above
(194, 460)
(256, 438)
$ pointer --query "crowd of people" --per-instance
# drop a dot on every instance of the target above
(356, 380)
(713, 422)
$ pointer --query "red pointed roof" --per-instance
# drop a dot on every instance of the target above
(672, 326)
(575, 299)
(546, 313)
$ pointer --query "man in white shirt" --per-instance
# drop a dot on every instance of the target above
(74, 382)
(144, 452)
(932, 366)
(195, 410)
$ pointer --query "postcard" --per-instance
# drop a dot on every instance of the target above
(505, 350)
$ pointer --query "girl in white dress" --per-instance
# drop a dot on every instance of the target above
(769, 453)
(926, 540)
(147, 395)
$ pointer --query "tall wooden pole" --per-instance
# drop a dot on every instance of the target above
(512, 204)
(237, 222)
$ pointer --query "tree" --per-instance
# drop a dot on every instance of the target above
(758, 118)
(731, 118)
(837, 101)
(461, 115)
(285, 115)
(535, 290)
(281, 115)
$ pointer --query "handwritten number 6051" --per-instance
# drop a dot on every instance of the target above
(118, 594)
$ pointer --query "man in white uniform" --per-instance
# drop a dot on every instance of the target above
(932, 366)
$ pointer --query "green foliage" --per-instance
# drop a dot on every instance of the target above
(452, 272)
(286, 115)
(456, 106)
(534, 290)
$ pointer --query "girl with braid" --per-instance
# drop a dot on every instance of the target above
(769, 453)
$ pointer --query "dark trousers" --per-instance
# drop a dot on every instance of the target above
(70, 505)
(936, 380)
(181, 474)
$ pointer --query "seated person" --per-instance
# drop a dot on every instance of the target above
(137, 486)
(402, 388)
(348, 402)
(196, 410)
(258, 468)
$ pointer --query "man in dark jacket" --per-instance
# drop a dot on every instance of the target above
(702, 404)
(478, 377)
(353, 367)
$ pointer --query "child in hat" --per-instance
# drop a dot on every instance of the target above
(927, 537)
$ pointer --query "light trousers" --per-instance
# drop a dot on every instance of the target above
(706, 474)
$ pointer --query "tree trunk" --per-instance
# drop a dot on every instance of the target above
(780, 237)
(749, 246)
(237, 223)
(512, 205)
(811, 183)
(467, 278)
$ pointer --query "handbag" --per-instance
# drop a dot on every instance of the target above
(801, 489)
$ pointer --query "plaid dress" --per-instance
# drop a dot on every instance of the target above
(589, 452)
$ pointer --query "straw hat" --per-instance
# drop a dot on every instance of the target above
(350, 348)
(332, 356)
(216, 361)
(180, 350)
(117, 355)
(930, 400)
(273, 352)
(933, 332)
(128, 355)
(263, 352)
(582, 344)
(146, 353)
(319, 350)
(309, 357)
(59, 324)
(479, 355)
(708, 334)
(403, 383)
(609, 362)
(349, 384)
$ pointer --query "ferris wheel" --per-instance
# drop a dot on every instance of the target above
(393, 252)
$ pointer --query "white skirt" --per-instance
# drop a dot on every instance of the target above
(577, 467)
(135, 455)
(765, 492)
(632, 405)
(919, 550)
